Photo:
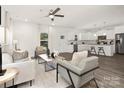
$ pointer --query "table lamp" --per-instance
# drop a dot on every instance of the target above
(15, 44)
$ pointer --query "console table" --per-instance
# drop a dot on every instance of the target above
(10, 74)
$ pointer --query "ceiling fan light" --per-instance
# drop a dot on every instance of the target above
(51, 16)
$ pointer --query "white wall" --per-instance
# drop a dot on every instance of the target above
(1, 35)
(109, 33)
(6, 27)
(44, 29)
(57, 44)
(27, 35)
(2, 16)
(61, 45)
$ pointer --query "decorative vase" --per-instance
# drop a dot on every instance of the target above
(48, 52)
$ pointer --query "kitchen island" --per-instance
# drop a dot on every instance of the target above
(109, 49)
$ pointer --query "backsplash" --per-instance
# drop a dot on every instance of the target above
(101, 42)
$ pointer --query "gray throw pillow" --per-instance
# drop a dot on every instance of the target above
(18, 55)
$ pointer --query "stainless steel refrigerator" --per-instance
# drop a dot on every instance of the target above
(119, 47)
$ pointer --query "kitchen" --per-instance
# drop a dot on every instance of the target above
(108, 40)
(106, 44)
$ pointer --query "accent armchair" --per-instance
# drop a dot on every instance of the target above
(79, 70)
(40, 50)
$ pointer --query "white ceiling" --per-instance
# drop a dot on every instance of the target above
(75, 15)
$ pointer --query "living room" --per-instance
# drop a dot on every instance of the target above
(76, 30)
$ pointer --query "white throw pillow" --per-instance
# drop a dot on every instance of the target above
(88, 63)
(6, 58)
(78, 56)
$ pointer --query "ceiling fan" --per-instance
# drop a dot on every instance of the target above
(52, 14)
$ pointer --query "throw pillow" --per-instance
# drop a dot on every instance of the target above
(18, 55)
(78, 56)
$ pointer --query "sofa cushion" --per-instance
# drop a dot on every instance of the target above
(6, 58)
(88, 63)
(78, 56)
(7, 49)
(22, 60)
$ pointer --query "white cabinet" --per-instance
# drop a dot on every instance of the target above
(109, 49)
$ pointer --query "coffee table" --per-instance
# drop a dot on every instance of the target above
(48, 62)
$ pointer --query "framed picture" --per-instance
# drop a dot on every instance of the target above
(43, 36)
(62, 37)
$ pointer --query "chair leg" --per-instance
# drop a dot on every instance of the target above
(30, 82)
(104, 53)
(5, 85)
(71, 86)
(101, 51)
(96, 83)
(57, 73)
(70, 78)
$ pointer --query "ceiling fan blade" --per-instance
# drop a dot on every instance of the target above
(55, 11)
(59, 15)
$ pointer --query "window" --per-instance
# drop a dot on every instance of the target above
(44, 39)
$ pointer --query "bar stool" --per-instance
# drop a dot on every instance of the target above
(93, 50)
(101, 51)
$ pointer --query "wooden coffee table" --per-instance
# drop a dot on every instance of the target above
(49, 62)
(9, 75)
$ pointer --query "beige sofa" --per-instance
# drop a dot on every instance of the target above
(79, 70)
(26, 68)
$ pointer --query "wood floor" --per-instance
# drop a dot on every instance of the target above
(109, 75)
(111, 72)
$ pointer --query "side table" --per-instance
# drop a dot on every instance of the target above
(10, 74)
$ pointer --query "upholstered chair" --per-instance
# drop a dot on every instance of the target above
(79, 70)
(40, 50)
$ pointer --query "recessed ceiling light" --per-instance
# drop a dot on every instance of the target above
(26, 20)
(95, 35)
(104, 33)
(51, 16)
